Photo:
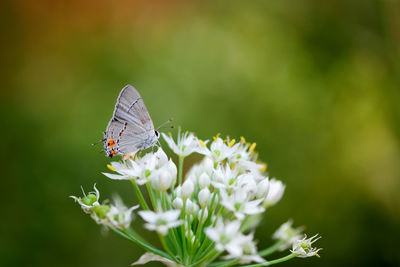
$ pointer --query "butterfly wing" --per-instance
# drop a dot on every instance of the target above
(131, 108)
(131, 128)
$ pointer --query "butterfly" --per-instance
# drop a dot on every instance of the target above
(130, 128)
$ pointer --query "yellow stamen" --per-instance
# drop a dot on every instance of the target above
(263, 167)
(252, 147)
(242, 140)
(232, 142)
(111, 167)
(202, 143)
(215, 137)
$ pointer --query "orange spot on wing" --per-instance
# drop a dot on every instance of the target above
(111, 143)
(112, 152)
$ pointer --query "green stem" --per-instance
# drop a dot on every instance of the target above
(209, 256)
(224, 263)
(183, 231)
(199, 228)
(153, 199)
(204, 249)
(268, 263)
(139, 194)
(165, 246)
(180, 169)
(270, 250)
(141, 243)
(249, 221)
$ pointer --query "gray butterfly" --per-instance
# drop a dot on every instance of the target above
(130, 128)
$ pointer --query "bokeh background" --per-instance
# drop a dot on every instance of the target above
(314, 83)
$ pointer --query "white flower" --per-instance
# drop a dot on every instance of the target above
(249, 251)
(246, 182)
(226, 237)
(275, 193)
(186, 144)
(286, 234)
(244, 158)
(161, 221)
(238, 203)
(142, 169)
(218, 150)
(303, 248)
(119, 216)
(224, 178)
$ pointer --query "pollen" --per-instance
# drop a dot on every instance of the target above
(242, 140)
(111, 167)
(215, 137)
(111, 143)
(232, 142)
(252, 147)
(263, 167)
(202, 143)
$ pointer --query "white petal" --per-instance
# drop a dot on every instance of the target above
(115, 176)
(234, 249)
(148, 216)
(212, 234)
(171, 215)
(147, 257)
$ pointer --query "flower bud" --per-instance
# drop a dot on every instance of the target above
(161, 156)
(177, 203)
(187, 189)
(276, 189)
(216, 201)
(189, 206)
(101, 211)
(262, 188)
(208, 163)
(204, 196)
(204, 180)
(89, 199)
(195, 209)
(155, 183)
(172, 169)
(165, 181)
(203, 212)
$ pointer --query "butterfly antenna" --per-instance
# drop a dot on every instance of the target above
(168, 121)
(101, 141)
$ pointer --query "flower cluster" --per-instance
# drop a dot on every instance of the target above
(211, 211)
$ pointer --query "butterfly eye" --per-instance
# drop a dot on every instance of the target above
(157, 134)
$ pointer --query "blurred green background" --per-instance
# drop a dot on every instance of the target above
(315, 83)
